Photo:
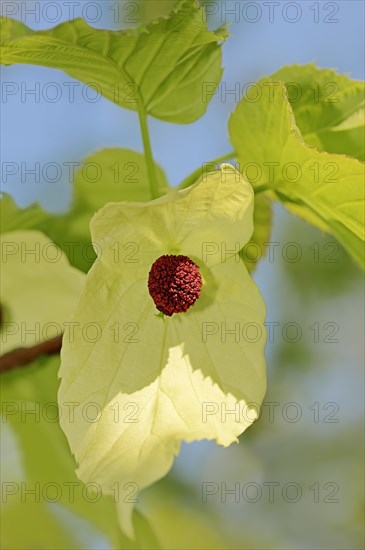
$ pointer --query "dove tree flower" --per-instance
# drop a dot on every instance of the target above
(174, 346)
(166, 343)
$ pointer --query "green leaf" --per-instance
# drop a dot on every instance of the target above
(12, 217)
(159, 68)
(11, 29)
(325, 189)
(151, 375)
(38, 289)
(255, 249)
(328, 107)
(69, 230)
(112, 175)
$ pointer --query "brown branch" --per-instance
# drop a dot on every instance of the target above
(22, 356)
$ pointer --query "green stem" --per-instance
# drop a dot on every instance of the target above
(194, 176)
(151, 168)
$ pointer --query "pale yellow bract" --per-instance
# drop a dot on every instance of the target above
(143, 383)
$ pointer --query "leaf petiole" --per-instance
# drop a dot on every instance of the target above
(148, 151)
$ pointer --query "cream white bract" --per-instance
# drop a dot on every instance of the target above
(140, 383)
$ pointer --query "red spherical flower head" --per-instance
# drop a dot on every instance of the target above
(174, 283)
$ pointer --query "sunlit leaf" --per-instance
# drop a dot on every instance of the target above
(158, 68)
(325, 189)
(328, 107)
